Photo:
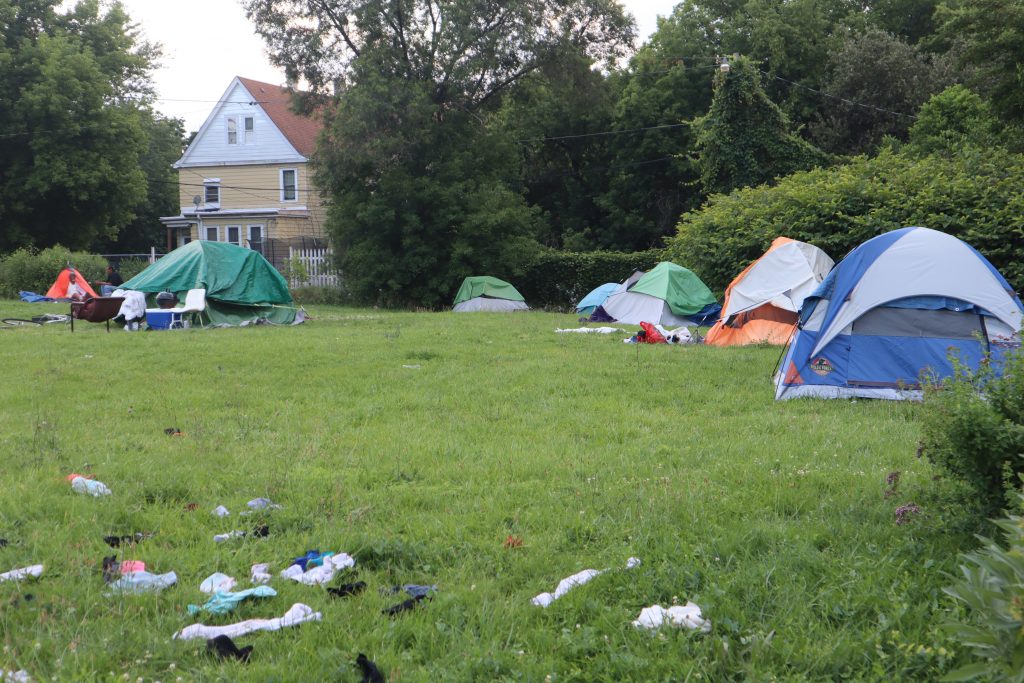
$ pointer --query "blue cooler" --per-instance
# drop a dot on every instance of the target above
(159, 319)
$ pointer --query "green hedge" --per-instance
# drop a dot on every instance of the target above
(975, 196)
(35, 271)
(559, 279)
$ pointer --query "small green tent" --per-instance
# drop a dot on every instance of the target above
(240, 284)
(484, 293)
(667, 294)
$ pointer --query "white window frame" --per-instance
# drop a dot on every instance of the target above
(248, 234)
(227, 234)
(207, 184)
(296, 172)
(248, 134)
(229, 122)
(206, 233)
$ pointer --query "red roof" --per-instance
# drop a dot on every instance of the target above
(300, 130)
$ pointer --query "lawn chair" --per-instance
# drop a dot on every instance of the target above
(195, 302)
(100, 309)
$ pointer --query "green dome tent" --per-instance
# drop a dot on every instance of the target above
(668, 294)
(241, 286)
(483, 293)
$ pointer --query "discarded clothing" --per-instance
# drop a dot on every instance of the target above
(3, 542)
(262, 504)
(110, 568)
(134, 306)
(35, 571)
(347, 589)
(217, 582)
(312, 558)
(223, 602)
(89, 486)
(411, 589)
(688, 616)
(577, 579)
(143, 582)
(259, 532)
(404, 606)
(19, 676)
(225, 648)
(259, 573)
(127, 539)
(132, 566)
(173, 431)
(371, 674)
(220, 538)
(322, 574)
(590, 330)
(297, 614)
(221, 511)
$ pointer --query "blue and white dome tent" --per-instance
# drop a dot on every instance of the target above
(891, 313)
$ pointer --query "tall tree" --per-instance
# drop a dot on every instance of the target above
(73, 85)
(744, 139)
(423, 183)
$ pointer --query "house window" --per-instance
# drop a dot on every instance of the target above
(249, 126)
(211, 233)
(232, 130)
(211, 193)
(233, 234)
(289, 179)
(256, 238)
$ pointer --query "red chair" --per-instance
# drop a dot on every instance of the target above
(100, 309)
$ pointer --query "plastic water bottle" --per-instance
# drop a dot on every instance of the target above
(89, 486)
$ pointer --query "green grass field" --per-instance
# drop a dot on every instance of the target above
(770, 516)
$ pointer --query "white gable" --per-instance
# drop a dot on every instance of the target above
(265, 144)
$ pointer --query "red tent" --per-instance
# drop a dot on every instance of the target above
(59, 288)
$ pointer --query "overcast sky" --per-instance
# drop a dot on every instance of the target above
(208, 42)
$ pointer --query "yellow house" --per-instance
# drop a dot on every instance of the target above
(245, 177)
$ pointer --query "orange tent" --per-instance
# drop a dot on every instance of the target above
(59, 288)
(762, 303)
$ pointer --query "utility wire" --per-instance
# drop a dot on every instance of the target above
(836, 97)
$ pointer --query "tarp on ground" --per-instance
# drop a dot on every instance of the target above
(761, 303)
(241, 285)
(59, 288)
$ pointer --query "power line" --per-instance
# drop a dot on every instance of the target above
(604, 132)
(836, 97)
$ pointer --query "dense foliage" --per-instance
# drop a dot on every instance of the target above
(34, 271)
(559, 279)
(991, 590)
(75, 120)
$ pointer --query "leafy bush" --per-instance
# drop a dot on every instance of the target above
(331, 296)
(974, 196)
(35, 271)
(992, 590)
(559, 279)
(973, 427)
(130, 267)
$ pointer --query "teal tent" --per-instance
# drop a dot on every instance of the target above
(241, 286)
(484, 293)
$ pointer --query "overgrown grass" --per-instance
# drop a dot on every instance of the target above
(770, 516)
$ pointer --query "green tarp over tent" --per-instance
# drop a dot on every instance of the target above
(240, 284)
(483, 285)
(680, 288)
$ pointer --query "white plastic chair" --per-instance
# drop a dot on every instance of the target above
(195, 302)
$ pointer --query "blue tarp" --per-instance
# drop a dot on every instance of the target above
(33, 298)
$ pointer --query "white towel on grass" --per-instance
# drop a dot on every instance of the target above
(590, 330)
(577, 579)
(322, 574)
(35, 571)
(296, 614)
(688, 616)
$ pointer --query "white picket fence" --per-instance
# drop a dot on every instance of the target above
(317, 264)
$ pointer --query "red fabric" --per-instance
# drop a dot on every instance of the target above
(653, 336)
(59, 289)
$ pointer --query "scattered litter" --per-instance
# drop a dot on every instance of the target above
(323, 573)
(217, 582)
(411, 589)
(259, 532)
(297, 614)
(143, 582)
(404, 606)
(905, 513)
(128, 539)
(191, 507)
(347, 589)
(173, 431)
(312, 558)
(262, 504)
(513, 542)
(110, 568)
(20, 676)
(688, 616)
(35, 571)
(80, 484)
(260, 573)
(225, 648)
(132, 566)
(220, 538)
(3, 542)
(223, 602)
(590, 330)
(577, 579)
(412, 367)
(371, 674)
(221, 511)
